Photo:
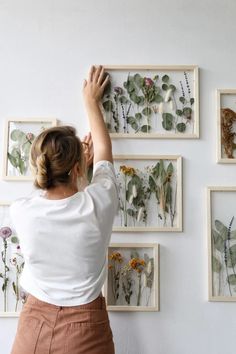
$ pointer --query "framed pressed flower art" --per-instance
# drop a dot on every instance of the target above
(11, 266)
(19, 135)
(150, 193)
(226, 126)
(133, 277)
(222, 243)
(152, 102)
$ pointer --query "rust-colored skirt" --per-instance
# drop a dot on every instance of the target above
(48, 329)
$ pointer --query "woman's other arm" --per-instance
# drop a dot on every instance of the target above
(93, 90)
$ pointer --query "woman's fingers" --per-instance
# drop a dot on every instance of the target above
(101, 76)
(97, 73)
(91, 72)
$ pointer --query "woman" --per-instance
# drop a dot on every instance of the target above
(64, 233)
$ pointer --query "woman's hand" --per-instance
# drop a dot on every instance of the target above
(95, 84)
(88, 149)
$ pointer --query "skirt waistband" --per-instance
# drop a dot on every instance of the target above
(98, 304)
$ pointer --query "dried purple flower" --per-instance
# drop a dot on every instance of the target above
(148, 82)
(5, 232)
(18, 247)
(30, 136)
(118, 90)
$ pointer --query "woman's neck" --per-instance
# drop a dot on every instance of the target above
(60, 192)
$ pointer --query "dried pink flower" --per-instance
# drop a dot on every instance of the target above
(148, 82)
(5, 232)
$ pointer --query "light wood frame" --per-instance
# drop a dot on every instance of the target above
(220, 92)
(210, 190)
(8, 313)
(5, 176)
(156, 256)
(179, 205)
(194, 69)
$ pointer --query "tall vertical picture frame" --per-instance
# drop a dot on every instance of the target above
(133, 277)
(159, 101)
(226, 125)
(150, 193)
(19, 135)
(11, 266)
(221, 206)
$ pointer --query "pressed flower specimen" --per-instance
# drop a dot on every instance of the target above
(148, 193)
(114, 267)
(17, 262)
(18, 155)
(224, 258)
(11, 264)
(151, 102)
(21, 134)
(5, 233)
(136, 277)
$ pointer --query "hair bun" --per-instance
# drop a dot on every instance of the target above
(42, 171)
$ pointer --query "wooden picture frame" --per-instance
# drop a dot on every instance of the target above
(152, 101)
(150, 193)
(19, 135)
(226, 125)
(133, 277)
(221, 243)
(12, 297)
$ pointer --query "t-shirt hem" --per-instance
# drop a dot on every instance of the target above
(65, 303)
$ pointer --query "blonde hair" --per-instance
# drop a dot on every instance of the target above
(53, 154)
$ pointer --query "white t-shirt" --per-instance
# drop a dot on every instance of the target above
(64, 241)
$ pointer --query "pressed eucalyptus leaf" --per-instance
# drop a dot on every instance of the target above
(14, 239)
(156, 170)
(17, 135)
(138, 116)
(182, 100)
(179, 112)
(123, 99)
(217, 240)
(222, 229)
(170, 168)
(216, 265)
(181, 127)
(108, 105)
(231, 279)
(172, 88)
(167, 122)
(147, 111)
(231, 256)
(165, 78)
(158, 98)
(165, 87)
(191, 101)
(145, 128)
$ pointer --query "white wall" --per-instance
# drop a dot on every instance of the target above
(46, 48)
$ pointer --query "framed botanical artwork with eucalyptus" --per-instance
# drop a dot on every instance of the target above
(150, 193)
(11, 266)
(152, 102)
(133, 277)
(226, 126)
(222, 243)
(19, 136)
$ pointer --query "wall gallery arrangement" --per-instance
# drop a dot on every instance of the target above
(140, 102)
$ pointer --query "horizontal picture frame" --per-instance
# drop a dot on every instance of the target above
(150, 193)
(133, 277)
(221, 202)
(226, 125)
(12, 297)
(152, 101)
(19, 135)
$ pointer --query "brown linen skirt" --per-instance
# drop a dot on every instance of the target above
(49, 329)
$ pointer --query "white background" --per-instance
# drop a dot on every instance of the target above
(46, 48)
